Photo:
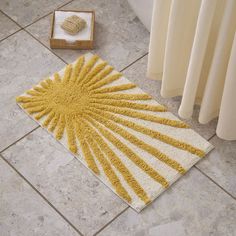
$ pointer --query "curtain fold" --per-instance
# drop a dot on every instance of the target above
(192, 50)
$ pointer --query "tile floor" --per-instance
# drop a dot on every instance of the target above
(43, 189)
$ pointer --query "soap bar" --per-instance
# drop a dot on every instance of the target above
(73, 24)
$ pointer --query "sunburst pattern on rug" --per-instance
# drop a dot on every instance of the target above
(87, 108)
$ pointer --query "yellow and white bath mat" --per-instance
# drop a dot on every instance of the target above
(128, 140)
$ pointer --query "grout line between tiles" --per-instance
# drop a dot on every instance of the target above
(211, 178)
(48, 14)
(211, 137)
(23, 27)
(19, 139)
(215, 182)
(25, 30)
(41, 195)
(99, 231)
(45, 46)
(126, 67)
(41, 17)
(11, 19)
(10, 35)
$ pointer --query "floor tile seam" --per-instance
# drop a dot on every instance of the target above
(39, 193)
(114, 218)
(214, 182)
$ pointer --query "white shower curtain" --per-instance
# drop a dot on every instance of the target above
(193, 51)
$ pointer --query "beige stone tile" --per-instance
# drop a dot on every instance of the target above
(23, 62)
(24, 212)
(25, 12)
(85, 201)
(120, 38)
(220, 165)
(193, 206)
(7, 26)
(137, 74)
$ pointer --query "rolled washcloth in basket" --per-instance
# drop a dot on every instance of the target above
(73, 24)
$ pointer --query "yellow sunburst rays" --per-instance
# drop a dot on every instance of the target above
(83, 105)
(107, 121)
(86, 138)
(129, 153)
(114, 159)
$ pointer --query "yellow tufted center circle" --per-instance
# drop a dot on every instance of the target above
(68, 99)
